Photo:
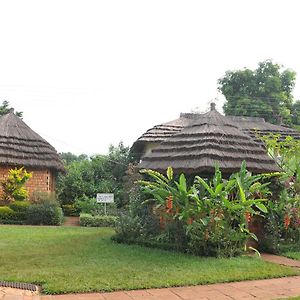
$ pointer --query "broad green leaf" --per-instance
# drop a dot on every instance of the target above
(261, 207)
(170, 173)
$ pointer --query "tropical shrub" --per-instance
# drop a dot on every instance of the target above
(206, 217)
(282, 223)
(88, 220)
(13, 187)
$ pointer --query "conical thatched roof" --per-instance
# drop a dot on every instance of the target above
(21, 146)
(211, 138)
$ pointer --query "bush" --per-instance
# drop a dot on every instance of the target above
(128, 227)
(13, 187)
(85, 204)
(47, 213)
(88, 220)
(20, 210)
(6, 214)
(70, 210)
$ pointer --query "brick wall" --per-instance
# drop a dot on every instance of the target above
(41, 180)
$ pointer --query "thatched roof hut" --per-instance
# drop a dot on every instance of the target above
(208, 140)
(20, 146)
(249, 125)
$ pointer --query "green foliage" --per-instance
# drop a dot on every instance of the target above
(89, 220)
(265, 92)
(44, 210)
(209, 217)
(6, 214)
(20, 210)
(69, 157)
(47, 213)
(13, 186)
(70, 210)
(282, 225)
(85, 204)
(97, 174)
(5, 108)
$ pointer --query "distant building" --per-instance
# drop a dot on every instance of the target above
(20, 146)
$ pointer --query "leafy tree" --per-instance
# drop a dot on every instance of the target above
(296, 113)
(69, 157)
(265, 92)
(87, 176)
(5, 108)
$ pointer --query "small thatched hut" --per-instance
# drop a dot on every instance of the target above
(208, 140)
(20, 146)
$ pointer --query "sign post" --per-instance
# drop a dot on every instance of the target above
(105, 198)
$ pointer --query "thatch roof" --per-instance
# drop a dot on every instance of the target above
(250, 125)
(21, 146)
(208, 140)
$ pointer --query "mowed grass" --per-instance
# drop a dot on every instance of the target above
(75, 259)
(292, 254)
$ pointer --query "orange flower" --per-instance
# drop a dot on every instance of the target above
(287, 221)
(190, 221)
(161, 222)
(169, 201)
(248, 216)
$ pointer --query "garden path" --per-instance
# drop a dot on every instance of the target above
(71, 221)
(278, 288)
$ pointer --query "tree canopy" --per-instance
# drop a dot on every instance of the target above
(264, 92)
(87, 176)
(5, 108)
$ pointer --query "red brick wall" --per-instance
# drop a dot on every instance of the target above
(41, 180)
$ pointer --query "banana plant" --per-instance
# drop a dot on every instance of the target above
(161, 187)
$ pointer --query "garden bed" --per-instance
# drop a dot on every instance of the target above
(76, 259)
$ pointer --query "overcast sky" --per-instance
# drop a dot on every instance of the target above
(90, 73)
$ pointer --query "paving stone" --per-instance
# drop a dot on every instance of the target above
(116, 296)
(280, 260)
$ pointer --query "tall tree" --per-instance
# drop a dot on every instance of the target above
(265, 92)
(5, 108)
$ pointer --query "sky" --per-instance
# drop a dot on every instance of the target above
(87, 74)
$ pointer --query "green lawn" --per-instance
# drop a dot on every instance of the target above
(75, 259)
(292, 254)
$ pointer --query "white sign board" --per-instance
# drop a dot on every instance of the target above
(105, 198)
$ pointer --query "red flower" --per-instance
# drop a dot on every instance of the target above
(287, 221)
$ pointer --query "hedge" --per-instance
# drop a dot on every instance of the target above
(44, 214)
(24, 212)
(7, 215)
(88, 220)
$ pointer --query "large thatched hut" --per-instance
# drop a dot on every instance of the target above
(20, 146)
(207, 140)
(249, 125)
